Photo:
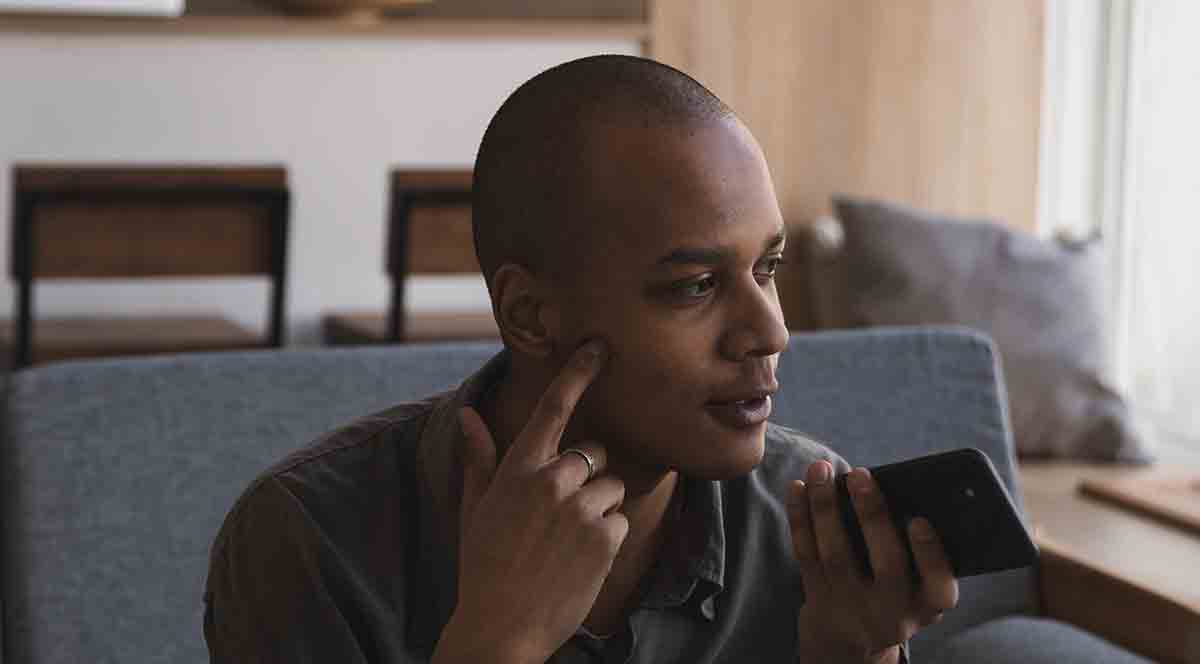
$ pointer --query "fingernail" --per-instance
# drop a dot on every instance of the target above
(921, 530)
(860, 481)
(822, 475)
(796, 495)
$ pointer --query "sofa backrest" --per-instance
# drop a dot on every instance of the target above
(116, 474)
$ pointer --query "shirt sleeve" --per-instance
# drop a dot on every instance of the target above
(266, 600)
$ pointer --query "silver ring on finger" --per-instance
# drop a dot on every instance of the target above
(591, 465)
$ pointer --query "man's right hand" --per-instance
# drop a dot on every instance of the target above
(537, 537)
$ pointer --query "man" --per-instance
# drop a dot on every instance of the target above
(608, 488)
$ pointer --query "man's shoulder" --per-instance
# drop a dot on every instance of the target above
(396, 427)
(344, 507)
(342, 470)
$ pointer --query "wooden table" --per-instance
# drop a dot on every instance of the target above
(1117, 573)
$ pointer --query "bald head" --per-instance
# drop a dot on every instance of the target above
(533, 188)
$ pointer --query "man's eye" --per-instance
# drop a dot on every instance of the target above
(699, 287)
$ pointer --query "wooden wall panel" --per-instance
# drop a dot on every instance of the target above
(934, 103)
(622, 9)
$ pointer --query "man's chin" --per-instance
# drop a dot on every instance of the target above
(737, 458)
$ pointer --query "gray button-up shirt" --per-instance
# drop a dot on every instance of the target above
(346, 552)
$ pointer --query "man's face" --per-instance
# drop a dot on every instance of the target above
(676, 273)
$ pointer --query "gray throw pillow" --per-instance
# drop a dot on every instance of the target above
(1042, 302)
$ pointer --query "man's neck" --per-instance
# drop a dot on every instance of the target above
(647, 528)
(648, 496)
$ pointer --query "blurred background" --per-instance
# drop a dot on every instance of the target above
(1048, 116)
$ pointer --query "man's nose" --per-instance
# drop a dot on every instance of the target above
(756, 327)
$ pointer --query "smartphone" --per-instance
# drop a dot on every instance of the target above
(960, 493)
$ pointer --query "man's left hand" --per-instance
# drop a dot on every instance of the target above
(847, 616)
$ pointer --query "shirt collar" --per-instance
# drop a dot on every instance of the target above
(692, 567)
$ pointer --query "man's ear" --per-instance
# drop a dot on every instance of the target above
(525, 311)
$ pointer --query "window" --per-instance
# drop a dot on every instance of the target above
(1121, 144)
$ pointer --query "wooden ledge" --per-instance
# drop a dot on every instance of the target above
(1113, 571)
(283, 25)
(1101, 600)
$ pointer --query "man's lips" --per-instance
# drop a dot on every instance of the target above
(742, 413)
(745, 394)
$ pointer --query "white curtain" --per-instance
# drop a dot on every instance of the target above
(1158, 228)
(1121, 156)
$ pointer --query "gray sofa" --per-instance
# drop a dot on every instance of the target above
(117, 473)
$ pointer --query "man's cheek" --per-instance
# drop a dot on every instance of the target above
(645, 367)
(621, 390)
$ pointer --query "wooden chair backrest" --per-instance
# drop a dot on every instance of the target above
(118, 222)
(429, 230)
(121, 222)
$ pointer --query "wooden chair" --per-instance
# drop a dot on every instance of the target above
(99, 222)
(429, 232)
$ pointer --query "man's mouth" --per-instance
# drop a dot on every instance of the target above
(741, 413)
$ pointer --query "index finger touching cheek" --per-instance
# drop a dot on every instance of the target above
(538, 441)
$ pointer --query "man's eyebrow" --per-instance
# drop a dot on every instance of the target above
(696, 256)
(711, 255)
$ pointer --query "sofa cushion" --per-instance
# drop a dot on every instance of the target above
(117, 473)
(1043, 303)
(1026, 640)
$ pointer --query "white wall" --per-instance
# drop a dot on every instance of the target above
(337, 111)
